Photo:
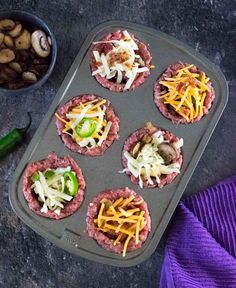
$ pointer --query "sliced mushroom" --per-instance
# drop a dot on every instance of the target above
(3, 46)
(15, 66)
(167, 152)
(49, 41)
(1, 38)
(146, 139)
(40, 43)
(23, 41)
(23, 66)
(22, 56)
(12, 74)
(150, 127)
(16, 85)
(6, 56)
(32, 51)
(2, 76)
(39, 61)
(32, 69)
(29, 76)
(7, 74)
(22, 63)
(41, 69)
(8, 41)
(16, 31)
(7, 24)
(38, 69)
(136, 149)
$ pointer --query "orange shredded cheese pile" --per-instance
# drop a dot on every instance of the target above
(95, 110)
(186, 92)
(122, 219)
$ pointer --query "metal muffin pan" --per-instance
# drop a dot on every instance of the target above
(134, 110)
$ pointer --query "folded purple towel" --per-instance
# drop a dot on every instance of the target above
(201, 246)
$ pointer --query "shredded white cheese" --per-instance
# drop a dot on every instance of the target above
(149, 164)
(121, 61)
(104, 135)
(50, 191)
(78, 117)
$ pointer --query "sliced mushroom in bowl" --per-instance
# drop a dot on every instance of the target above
(28, 48)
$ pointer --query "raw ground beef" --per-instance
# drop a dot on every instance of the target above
(53, 162)
(109, 115)
(170, 113)
(102, 238)
(106, 47)
(136, 137)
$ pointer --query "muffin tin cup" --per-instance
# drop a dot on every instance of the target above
(134, 109)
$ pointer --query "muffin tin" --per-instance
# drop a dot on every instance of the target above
(134, 109)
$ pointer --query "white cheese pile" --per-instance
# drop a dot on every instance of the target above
(149, 163)
(121, 61)
(50, 191)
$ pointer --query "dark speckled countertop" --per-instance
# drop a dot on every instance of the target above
(27, 260)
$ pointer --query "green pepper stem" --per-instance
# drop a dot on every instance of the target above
(24, 129)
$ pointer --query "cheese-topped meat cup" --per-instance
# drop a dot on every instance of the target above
(118, 219)
(54, 187)
(87, 124)
(152, 157)
(183, 94)
(120, 62)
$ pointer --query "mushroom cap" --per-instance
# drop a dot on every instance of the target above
(6, 56)
(29, 76)
(7, 24)
(1, 37)
(8, 41)
(15, 32)
(40, 43)
(7, 74)
(23, 41)
(167, 152)
(15, 66)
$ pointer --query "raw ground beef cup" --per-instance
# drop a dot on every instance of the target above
(91, 145)
(107, 238)
(53, 162)
(118, 58)
(200, 95)
(152, 157)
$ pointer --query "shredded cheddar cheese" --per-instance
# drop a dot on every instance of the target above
(94, 110)
(185, 92)
(122, 219)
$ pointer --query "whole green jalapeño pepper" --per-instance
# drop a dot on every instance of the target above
(86, 127)
(14, 137)
(71, 183)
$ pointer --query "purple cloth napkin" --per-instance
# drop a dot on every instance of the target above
(201, 245)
